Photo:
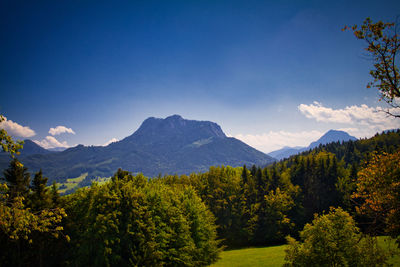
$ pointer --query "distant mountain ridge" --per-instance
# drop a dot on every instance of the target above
(31, 148)
(328, 137)
(160, 146)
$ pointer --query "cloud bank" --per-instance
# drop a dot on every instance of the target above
(60, 129)
(360, 121)
(51, 142)
(363, 121)
(268, 142)
(15, 129)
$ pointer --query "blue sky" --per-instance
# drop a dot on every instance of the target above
(271, 73)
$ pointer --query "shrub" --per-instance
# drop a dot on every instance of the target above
(333, 240)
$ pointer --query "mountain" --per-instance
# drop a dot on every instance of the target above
(57, 149)
(332, 136)
(31, 148)
(285, 152)
(328, 137)
(160, 146)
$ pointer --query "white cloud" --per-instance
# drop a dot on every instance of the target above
(60, 130)
(51, 142)
(364, 121)
(271, 141)
(110, 141)
(15, 129)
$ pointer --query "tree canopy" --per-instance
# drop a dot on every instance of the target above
(333, 240)
(378, 192)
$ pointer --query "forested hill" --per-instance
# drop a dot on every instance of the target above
(328, 137)
(257, 206)
(353, 152)
(170, 145)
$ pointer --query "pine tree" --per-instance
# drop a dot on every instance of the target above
(55, 196)
(40, 197)
(17, 178)
(244, 175)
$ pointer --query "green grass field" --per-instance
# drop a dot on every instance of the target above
(275, 255)
(101, 181)
(254, 257)
(71, 183)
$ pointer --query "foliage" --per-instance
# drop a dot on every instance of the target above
(378, 187)
(383, 47)
(21, 229)
(317, 174)
(25, 229)
(333, 240)
(275, 218)
(40, 197)
(7, 144)
(250, 207)
(130, 221)
(17, 178)
(273, 256)
(260, 206)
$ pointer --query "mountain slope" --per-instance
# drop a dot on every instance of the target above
(328, 137)
(171, 145)
(332, 136)
(31, 148)
(285, 152)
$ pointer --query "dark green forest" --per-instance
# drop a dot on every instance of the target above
(185, 220)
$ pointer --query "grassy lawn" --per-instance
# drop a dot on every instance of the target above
(254, 257)
(274, 256)
(389, 244)
(71, 183)
(101, 181)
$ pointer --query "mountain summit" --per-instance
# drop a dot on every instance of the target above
(154, 130)
(172, 145)
(329, 137)
(332, 136)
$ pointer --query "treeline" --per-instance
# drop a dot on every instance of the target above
(177, 220)
(355, 152)
(261, 206)
(130, 221)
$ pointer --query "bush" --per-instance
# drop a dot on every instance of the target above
(334, 240)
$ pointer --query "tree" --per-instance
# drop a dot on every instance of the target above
(383, 46)
(7, 144)
(333, 240)
(131, 221)
(21, 230)
(40, 197)
(25, 235)
(17, 178)
(378, 186)
(55, 196)
(273, 222)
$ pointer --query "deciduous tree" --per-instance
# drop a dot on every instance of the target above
(333, 240)
(378, 186)
(383, 46)
(7, 143)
